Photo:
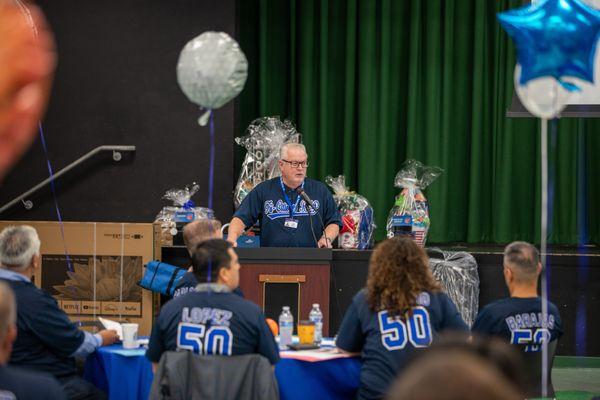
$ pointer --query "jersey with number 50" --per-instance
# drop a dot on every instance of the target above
(212, 323)
(387, 342)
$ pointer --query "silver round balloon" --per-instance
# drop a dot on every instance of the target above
(212, 69)
(543, 97)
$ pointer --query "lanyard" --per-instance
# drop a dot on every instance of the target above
(287, 198)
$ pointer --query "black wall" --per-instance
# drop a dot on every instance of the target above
(574, 287)
(116, 84)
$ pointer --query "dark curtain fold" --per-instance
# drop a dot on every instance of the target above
(371, 83)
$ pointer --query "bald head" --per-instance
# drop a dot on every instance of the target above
(523, 259)
(200, 230)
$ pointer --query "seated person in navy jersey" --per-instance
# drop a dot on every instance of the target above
(285, 218)
(401, 310)
(518, 319)
(17, 383)
(195, 233)
(46, 339)
(212, 320)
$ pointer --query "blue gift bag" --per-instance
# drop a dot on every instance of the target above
(161, 277)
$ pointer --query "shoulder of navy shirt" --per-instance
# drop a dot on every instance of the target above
(24, 384)
(247, 324)
(266, 204)
(188, 283)
(498, 317)
(46, 338)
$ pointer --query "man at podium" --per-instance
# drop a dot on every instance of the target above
(293, 210)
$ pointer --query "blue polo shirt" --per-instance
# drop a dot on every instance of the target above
(46, 338)
(386, 343)
(267, 204)
(212, 322)
(519, 321)
(17, 383)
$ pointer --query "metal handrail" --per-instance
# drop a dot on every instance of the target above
(29, 204)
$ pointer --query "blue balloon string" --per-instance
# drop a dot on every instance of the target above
(53, 190)
(582, 240)
(209, 273)
(211, 172)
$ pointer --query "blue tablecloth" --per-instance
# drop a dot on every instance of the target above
(122, 374)
(127, 375)
(322, 380)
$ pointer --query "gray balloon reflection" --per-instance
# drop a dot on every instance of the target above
(212, 69)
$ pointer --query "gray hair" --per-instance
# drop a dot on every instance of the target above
(8, 309)
(18, 245)
(523, 257)
(200, 230)
(290, 145)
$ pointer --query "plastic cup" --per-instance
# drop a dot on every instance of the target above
(130, 336)
(306, 332)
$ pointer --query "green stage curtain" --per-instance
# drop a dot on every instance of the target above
(371, 83)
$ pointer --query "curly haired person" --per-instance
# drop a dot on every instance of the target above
(401, 310)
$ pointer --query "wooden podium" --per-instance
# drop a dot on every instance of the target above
(273, 277)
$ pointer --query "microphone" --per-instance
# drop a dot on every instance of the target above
(307, 199)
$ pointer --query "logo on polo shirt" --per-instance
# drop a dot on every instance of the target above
(282, 210)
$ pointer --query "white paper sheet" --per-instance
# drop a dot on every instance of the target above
(110, 324)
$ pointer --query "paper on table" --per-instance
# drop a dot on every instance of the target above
(322, 354)
(110, 324)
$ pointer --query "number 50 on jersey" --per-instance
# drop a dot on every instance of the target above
(216, 340)
(396, 333)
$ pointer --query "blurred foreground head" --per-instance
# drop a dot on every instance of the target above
(459, 367)
(27, 58)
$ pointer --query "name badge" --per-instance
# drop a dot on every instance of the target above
(291, 223)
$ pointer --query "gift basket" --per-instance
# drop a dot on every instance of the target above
(357, 216)
(410, 214)
(263, 141)
(181, 212)
(457, 272)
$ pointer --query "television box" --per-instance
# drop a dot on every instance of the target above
(95, 270)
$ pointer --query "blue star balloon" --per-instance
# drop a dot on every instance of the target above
(554, 38)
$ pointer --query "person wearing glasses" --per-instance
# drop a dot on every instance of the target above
(286, 220)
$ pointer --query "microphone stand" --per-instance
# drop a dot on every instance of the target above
(308, 202)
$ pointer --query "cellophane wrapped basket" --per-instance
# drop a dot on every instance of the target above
(410, 214)
(357, 216)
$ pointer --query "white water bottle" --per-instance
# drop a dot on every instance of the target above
(316, 316)
(286, 328)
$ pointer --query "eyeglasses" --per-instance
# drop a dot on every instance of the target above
(296, 164)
